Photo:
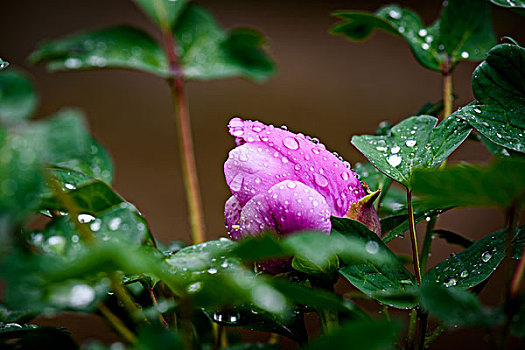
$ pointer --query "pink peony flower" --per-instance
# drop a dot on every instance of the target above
(285, 182)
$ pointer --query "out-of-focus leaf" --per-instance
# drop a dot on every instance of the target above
(30, 336)
(498, 85)
(259, 320)
(115, 47)
(17, 96)
(474, 264)
(157, 337)
(415, 143)
(377, 280)
(3, 64)
(498, 184)
(96, 163)
(163, 12)
(205, 50)
(360, 335)
(463, 32)
(457, 307)
(209, 52)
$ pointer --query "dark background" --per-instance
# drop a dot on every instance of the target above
(326, 87)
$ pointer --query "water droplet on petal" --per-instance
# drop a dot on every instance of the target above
(315, 150)
(291, 143)
(291, 185)
(345, 176)
(320, 180)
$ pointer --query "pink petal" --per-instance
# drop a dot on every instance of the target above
(232, 214)
(253, 168)
(287, 207)
(310, 162)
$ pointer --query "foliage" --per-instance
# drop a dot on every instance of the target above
(95, 252)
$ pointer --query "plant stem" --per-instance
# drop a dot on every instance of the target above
(432, 338)
(187, 154)
(427, 242)
(413, 237)
(124, 297)
(412, 325)
(329, 321)
(117, 324)
(517, 279)
(156, 304)
(447, 90)
(423, 323)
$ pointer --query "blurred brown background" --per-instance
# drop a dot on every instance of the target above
(326, 87)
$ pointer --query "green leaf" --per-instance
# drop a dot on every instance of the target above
(30, 336)
(116, 47)
(96, 163)
(205, 50)
(25, 149)
(382, 281)
(17, 96)
(499, 184)
(454, 238)
(396, 226)
(164, 12)
(3, 64)
(510, 4)
(474, 264)
(361, 335)
(456, 307)
(463, 31)
(157, 337)
(209, 52)
(258, 320)
(91, 197)
(414, 143)
(393, 19)
(499, 87)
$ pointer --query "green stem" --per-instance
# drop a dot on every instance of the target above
(329, 321)
(117, 324)
(517, 279)
(427, 242)
(384, 190)
(412, 325)
(432, 338)
(423, 323)
(413, 237)
(123, 296)
(187, 154)
(447, 91)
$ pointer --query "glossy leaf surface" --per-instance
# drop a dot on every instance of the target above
(414, 143)
(17, 97)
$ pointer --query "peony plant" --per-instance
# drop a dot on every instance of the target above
(299, 219)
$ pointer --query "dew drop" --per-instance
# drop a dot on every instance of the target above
(465, 54)
(486, 256)
(95, 225)
(114, 224)
(315, 150)
(395, 149)
(81, 295)
(422, 32)
(450, 282)
(320, 180)
(394, 160)
(212, 271)
(372, 247)
(394, 14)
(85, 218)
(291, 185)
(291, 143)
(463, 274)
(410, 143)
(345, 176)
(72, 63)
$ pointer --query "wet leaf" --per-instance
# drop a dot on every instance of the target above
(30, 336)
(206, 51)
(509, 4)
(498, 184)
(378, 280)
(163, 12)
(17, 96)
(116, 47)
(209, 52)
(258, 320)
(463, 32)
(362, 335)
(499, 87)
(396, 226)
(3, 64)
(474, 264)
(457, 307)
(414, 143)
